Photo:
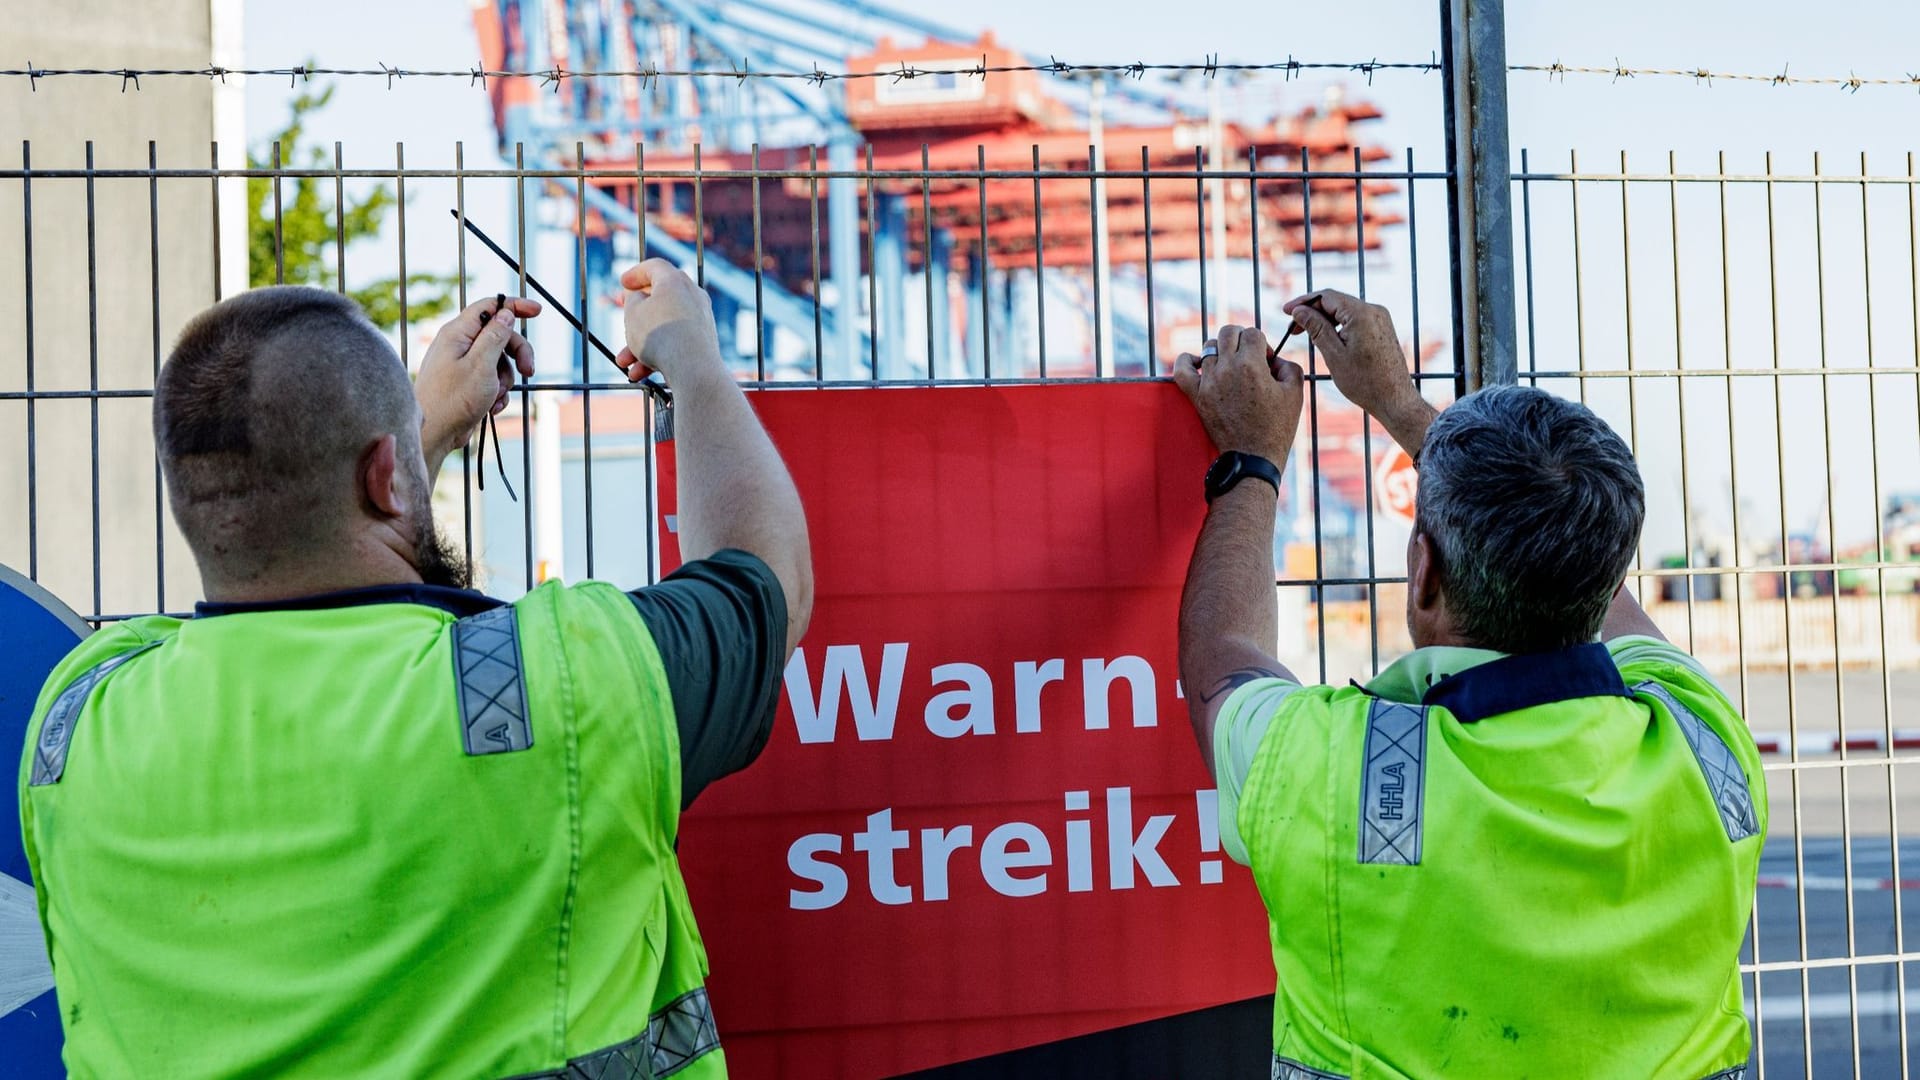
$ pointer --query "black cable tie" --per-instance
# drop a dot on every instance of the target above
(126, 75)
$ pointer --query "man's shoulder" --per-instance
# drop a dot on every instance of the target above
(111, 640)
(1651, 660)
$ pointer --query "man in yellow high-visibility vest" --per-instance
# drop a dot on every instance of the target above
(1527, 848)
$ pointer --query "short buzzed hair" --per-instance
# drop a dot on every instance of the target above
(260, 417)
(1534, 506)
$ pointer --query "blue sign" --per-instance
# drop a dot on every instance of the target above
(36, 632)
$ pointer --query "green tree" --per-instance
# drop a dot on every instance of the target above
(308, 231)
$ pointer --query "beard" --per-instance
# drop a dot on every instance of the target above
(436, 558)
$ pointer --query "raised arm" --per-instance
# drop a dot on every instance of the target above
(1229, 617)
(1364, 356)
(734, 491)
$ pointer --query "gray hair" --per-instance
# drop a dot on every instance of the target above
(1533, 506)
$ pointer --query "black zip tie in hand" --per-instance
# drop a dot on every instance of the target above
(499, 462)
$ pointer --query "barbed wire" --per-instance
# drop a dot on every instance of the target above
(1211, 67)
(902, 72)
(1850, 82)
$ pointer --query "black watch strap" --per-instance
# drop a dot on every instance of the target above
(1233, 466)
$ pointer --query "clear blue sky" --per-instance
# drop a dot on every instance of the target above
(1595, 116)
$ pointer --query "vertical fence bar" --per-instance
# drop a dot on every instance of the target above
(986, 272)
(1880, 552)
(1680, 392)
(759, 278)
(153, 277)
(1413, 265)
(400, 241)
(93, 373)
(340, 224)
(26, 265)
(1786, 606)
(581, 312)
(813, 209)
(1526, 239)
(1313, 417)
(927, 259)
(1739, 559)
(1039, 267)
(1095, 224)
(1833, 594)
(1146, 232)
(526, 403)
(213, 188)
(1474, 60)
(460, 249)
(279, 237)
(699, 220)
(1366, 425)
(1579, 282)
(873, 278)
(1200, 235)
(1893, 791)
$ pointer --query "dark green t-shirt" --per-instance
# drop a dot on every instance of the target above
(720, 625)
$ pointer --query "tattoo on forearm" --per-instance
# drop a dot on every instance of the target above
(1235, 680)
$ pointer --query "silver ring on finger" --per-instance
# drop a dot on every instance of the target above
(1210, 349)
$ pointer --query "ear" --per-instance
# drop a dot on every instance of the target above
(1423, 574)
(379, 467)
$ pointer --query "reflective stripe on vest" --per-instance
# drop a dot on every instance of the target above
(676, 1036)
(493, 686)
(1726, 780)
(56, 733)
(1288, 1069)
(1394, 784)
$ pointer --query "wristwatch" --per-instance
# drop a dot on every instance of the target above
(1233, 466)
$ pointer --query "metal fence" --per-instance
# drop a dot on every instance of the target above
(1755, 334)
(1754, 330)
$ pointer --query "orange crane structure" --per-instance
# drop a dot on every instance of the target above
(1044, 206)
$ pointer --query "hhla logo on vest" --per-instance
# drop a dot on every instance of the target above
(1012, 858)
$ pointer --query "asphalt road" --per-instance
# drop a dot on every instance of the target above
(1838, 1021)
(1843, 1009)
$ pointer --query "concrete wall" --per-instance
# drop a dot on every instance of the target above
(94, 296)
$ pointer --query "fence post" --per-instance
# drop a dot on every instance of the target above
(1480, 189)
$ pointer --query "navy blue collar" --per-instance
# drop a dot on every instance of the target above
(457, 602)
(1524, 680)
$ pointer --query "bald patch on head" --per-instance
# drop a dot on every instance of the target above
(261, 415)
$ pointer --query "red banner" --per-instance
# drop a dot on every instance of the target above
(981, 822)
